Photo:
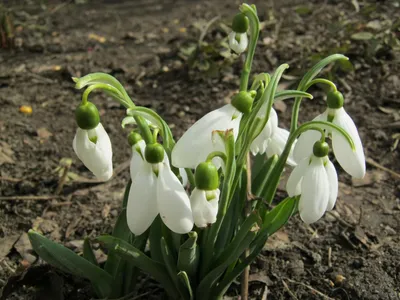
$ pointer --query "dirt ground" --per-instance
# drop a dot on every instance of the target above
(352, 253)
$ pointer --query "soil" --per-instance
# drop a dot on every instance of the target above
(352, 253)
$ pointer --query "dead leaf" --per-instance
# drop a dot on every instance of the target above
(106, 211)
(43, 134)
(261, 277)
(6, 153)
(24, 248)
(278, 241)
(280, 106)
(96, 37)
(371, 177)
(6, 244)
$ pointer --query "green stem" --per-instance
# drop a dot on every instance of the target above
(220, 154)
(254, 32)
(308, 77)
(323, 81)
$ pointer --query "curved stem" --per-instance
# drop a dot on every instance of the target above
(323, 81)
(106, 87)
(219, 154)
(254, 32)
(308, 77)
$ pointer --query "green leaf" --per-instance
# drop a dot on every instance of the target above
(171, 268)
(68, 261)
(280, 214)
(362, 36)
(140, 260)
(115, 265)
(126, 194)
(189, 255)
(88, 253)
(186, 282)
(262, 179)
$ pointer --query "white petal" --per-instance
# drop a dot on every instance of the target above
(305, 143)
(293, 185)
(353, 162)
(196, 143)
(314, 192)
(236, 46)
(260, 143)
(142, 205)
(204, 211)
(96, 157)
(173, 202)
(278, 143)
(137, 158)
(184, 176)
(333, 184)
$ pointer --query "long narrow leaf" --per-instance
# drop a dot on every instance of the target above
(67, 260)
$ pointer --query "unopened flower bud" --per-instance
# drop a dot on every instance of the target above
(87, 116)
(206, 176)
(154, 153)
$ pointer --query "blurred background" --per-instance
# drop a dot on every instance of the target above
(173, 57)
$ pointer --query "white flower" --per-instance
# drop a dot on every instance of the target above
(315, 179)
(196, 143)
(156, 190)
(353, 162)
(204, 206)
(272, 139)
(238, 41)
(93, 147)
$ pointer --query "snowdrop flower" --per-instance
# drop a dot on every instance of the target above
(156, 190)
(315, 180)
(353, 162)
(237, 39)
(272, 139)
(204, 198)
(196, 143)
(91, 143)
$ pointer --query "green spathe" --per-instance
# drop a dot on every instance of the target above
(154, 153)
(206, 176)
(240, 23)
(243, 101)
(87, 116)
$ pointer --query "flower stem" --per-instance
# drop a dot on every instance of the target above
(254, 32)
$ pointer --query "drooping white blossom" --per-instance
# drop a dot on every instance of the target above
(204, 206)
(156, 190)
(197, 142)
(315, 179)
(93, 148)
(238, 41)
(272, 139)
(352, 161)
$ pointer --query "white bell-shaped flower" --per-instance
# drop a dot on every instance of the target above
(272, 139)
(315, 180)
(93, 148)
(352, 161)
(196, 143)
(238, 41)
(156, 190)
(204, 206)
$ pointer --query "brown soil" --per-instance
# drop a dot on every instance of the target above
(352, 253)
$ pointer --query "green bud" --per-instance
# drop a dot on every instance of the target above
(335, 100)
(134, 138)
(154, 153)
(206, 176)
(240, 23)
(320, 149)
(243, 101)
(87, 116)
